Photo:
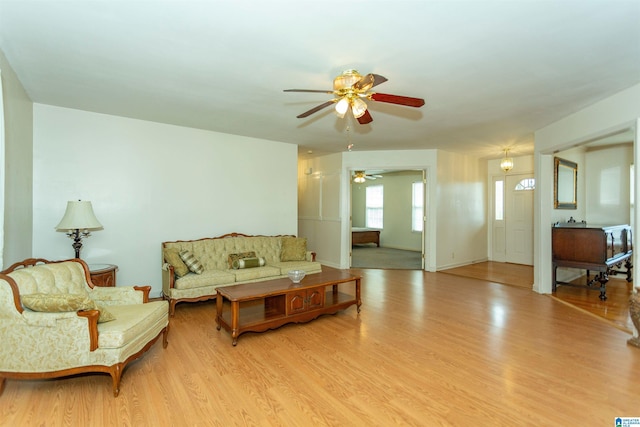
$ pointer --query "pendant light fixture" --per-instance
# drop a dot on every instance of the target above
(507, 162)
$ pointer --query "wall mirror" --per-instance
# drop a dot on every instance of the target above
(566, 184)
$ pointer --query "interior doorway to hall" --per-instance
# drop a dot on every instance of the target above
(387, 219)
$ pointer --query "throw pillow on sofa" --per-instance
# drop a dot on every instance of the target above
(172, 256)
(191, 261)
(293, 248)
(60, 303)
(233, 258)
(105, 315)
(249, 263)
(57, 303)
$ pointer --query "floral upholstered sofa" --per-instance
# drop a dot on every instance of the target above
(54, 322)
(193, 269)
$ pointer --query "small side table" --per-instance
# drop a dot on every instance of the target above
(103, 274)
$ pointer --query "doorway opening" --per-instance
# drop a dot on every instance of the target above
(388, 219)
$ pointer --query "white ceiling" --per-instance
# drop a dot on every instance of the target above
(491, 72)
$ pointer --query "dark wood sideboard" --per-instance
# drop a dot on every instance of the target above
(602, 249)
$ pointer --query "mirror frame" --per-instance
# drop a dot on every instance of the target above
(561, 181)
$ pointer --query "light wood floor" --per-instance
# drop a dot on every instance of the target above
(497, 272)
(614, 310)
(428, 349)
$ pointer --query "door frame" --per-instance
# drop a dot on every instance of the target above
(425, 200)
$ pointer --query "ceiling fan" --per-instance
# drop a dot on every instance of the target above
(360, 176)
(350, 88)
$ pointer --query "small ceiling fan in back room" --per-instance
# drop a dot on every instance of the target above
(349, 91)
(360, 176)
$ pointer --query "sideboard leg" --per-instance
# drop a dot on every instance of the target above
(358, 294)
(603, 278)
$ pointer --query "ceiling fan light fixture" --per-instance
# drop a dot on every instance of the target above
(345, 80)
(359, 177)
(342, 107)
(358, 107)
(506, 164)
(348, 88)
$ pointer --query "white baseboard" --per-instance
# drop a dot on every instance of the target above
(460, 264)
(400, 248)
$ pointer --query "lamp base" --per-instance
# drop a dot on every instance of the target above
(77, 237)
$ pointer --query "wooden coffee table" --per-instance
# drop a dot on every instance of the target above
(260, 306)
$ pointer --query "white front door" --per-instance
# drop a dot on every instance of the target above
(518, 218)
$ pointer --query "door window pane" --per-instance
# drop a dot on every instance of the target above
(526, 184)
(499, 200)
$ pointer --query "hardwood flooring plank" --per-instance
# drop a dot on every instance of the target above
(427, 349)
(497, 272)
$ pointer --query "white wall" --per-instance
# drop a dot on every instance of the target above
(521, 164)
(616, 113)
(151, 182)
(461, 201)
(319, 207)
(17, 169)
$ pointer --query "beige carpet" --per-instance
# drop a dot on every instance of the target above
(369, 256)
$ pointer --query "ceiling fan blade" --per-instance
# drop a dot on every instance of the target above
(365, 118)
(316, 109)
(378, 79)
(308, 90)
(396, 99)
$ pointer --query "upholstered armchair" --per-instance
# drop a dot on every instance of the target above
(54, 322)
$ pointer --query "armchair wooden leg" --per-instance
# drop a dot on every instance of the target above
(116, 374)
(2, 382)
(165, 335)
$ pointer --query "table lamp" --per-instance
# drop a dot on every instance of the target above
(78, 221)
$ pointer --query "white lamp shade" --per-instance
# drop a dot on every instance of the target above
(358, 108)
(342, 106)
(79, 215)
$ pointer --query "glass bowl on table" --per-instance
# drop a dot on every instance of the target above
(296, 275)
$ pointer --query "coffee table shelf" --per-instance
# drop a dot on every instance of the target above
(257, 307)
